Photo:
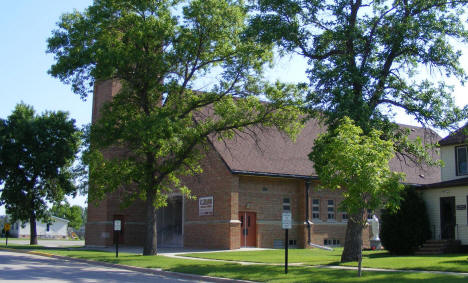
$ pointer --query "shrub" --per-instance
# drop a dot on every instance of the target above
(407, 229)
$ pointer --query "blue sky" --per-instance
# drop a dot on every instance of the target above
(24, 28)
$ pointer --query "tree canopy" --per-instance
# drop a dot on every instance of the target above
(368, 59)
(357, 164)
(73, 213)
(160, 51)
(36, 158)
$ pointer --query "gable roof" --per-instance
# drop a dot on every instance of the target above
(457, 137)
(268, 152)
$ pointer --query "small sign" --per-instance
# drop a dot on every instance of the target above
(461, 207)
(287, 220)
(117, 225)
(7, 227)
(205, 206)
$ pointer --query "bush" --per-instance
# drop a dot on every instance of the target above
(407, 229)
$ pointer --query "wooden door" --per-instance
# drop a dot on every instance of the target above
(248, 229)
(122, 229)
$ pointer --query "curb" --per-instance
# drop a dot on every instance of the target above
(155, 271)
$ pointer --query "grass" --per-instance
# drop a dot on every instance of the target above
(376, 259)
(262, 273)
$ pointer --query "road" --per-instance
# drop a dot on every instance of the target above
(45, 243)
(20, 267)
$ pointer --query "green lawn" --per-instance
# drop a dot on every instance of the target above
(377, 259)
(260, 273)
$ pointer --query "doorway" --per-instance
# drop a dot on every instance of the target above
(248, 229)
(170, 224)
(447, 218)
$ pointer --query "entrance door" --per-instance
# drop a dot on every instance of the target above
(122, 229)
(248, 229)
(170, 224)
(447, 218)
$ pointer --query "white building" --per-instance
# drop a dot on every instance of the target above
(56, 229)
(446, 201)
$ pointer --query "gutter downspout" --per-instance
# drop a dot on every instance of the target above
(307, 184)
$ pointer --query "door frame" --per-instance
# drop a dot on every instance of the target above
(447, 210)
(254, 225)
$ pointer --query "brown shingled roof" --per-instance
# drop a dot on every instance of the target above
(268, 152)
(457, 137)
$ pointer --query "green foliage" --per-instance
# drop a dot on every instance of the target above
(402, 232)
(370, 58)
(356, 164)
(74, 214)
(159, 51)
(36, 157)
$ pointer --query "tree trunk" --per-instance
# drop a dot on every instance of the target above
(151, 237)
(353, 240)
(32, 230)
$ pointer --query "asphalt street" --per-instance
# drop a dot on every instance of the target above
(20, 267)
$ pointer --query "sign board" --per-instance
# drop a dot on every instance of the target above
(205, 206)
(461, 207)
(7, 227)
(117, 225)
(287, 220)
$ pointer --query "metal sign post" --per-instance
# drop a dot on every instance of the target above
(7, 228)
(117, 229)
(287, 224)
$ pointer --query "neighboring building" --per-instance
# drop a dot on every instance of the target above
(57, 229)
(241, 194)
(447, 200)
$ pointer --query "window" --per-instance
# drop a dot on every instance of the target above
(461, 160)
(331, 242)
(331, 209)
(48, 227)
(315, 209)
(369, 214)
(344, 216)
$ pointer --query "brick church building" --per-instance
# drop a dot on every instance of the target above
(240, 196)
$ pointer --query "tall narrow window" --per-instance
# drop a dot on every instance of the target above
(369, 214)
(315, 209)
(461, 160)
(48, 227)
(331, 209)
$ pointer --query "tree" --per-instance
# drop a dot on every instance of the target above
(74, 214)
(408, 228)
(365, 62)
(159, 117)
(356, 163)
(36, 157)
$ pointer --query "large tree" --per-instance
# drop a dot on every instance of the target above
(357, 164)
(369, 58)
(36, 158)
(159, 51)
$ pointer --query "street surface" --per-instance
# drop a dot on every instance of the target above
(20, 267)
(45, 243)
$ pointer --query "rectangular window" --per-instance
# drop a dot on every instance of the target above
(331, 209)
(461, 160)
(48, 227)
(344, 216)
(369, 214)
(315, 209)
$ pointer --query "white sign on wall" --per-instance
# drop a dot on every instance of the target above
(117, 225)
(287, 220)
(205, 206)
